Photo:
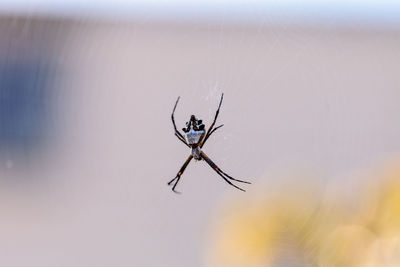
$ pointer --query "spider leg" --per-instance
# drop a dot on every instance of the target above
(205, 139)
(230, 177)
(183, 141)
(227, 175)
(215, 119)
(220, 172)
(178, 176)
(215, 129)
(177, 133)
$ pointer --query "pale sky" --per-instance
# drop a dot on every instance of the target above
(368, 12)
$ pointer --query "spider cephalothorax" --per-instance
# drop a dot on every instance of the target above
(195, 136)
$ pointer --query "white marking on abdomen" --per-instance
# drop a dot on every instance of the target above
(193, 137)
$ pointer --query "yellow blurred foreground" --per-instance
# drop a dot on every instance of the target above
(305, 225)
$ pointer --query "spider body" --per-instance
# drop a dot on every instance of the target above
(196, 153)
(195, 136)
(194, 132)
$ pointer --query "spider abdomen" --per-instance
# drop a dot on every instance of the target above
(194, 136)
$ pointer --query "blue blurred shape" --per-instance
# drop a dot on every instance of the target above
(24, 104)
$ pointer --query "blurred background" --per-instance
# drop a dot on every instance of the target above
(311, 113)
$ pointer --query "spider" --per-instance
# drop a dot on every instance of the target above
(195, 136)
